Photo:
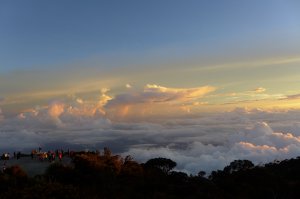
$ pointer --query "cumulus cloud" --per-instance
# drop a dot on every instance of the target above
(154, 101)
(154, 94)
(55, 109)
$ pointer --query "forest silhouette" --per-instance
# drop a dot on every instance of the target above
(105, 175)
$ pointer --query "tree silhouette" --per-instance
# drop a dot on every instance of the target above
(92, 175)
(201, 173)
(163, 164)
(238, 165)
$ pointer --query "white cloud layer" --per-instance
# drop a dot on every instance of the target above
(213, 144)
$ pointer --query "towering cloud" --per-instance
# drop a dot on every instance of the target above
(154, 101)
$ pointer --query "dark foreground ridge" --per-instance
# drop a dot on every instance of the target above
(104, 175)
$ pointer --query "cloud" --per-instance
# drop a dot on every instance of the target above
(292, 97)
(154, 101)
(201, 141)
(80, 101)
(154, 94)
(282, 61)
(259, 90)
(179, 93)
(55, 109)
(258, 143)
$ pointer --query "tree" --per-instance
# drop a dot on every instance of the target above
(163, 164)
(201, 173)
(238, 165)
(60, 172)
(107, 152)
(16, 171)
(130, 168)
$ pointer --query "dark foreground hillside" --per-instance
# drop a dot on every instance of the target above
(105, 175)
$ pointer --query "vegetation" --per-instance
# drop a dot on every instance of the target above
(95, 175)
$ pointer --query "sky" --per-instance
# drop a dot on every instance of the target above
(202, 82)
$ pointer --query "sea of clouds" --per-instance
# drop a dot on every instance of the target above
(207, 142)
(202, 141)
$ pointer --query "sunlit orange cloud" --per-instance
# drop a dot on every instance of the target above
(140, 112)
(259, 90)
(180, 93)
(261, 148)
(290, 104)
(155, 101)
(56, 109)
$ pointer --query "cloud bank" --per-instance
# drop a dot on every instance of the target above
(126, 124)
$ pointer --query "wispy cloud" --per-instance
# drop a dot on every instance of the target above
(252, 64)
(259, 90)
(291, 97)
(128, 85)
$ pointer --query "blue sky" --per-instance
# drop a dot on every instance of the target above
(54, 49)
(40, 34)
